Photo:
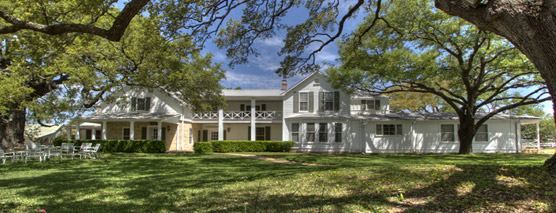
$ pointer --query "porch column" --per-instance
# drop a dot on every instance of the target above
(104, 130)
(538, 137)
(93, 135)
(69, 132)
(178, 137)
(220, 124)
(132, 130)
(77, 133)
(518, 137)
(253, 115)
(159, 135)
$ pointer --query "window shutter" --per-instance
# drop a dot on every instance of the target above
(148, 103)
(295, 102)
(263, 107)
(249, 133)
(205, 135)
(133, 104)
(377, 104)
(363, 105)
(267, 133)
(311, 101)
(399, 129)
(379, 129)
(224, 134)
(321, 102)
(144, 133)
(242, 107)
(336, 101)
(163, 134)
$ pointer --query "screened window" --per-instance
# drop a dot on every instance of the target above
(310, 132)
(367, 105)
(141, 104)
(338, 132)
(447, 132)
(482, 133)
(328, 101)
(389, 129)
(125, 134)
(303, 101)
(295, 132)
(323, 132)
(259, 134)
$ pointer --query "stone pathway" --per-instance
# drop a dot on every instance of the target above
(274, 160)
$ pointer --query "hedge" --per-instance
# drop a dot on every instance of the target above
(142, 146)
(244, 146)
(203, 147)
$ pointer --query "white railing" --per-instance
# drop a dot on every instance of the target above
(238, 115)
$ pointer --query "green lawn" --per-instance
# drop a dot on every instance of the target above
(219, 183)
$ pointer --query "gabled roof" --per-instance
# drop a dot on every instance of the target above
(252, 93)
(43, 131)
(300, 82)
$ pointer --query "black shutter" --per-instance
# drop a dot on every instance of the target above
(133, 104)
(336, 101)
(321, 102)
(205, 135)
(267, 133)
(295, 102)
(248, 133)
(224, 134)
(263, 107)
(242, 107)
(144, 133)
(148, 103)
(98, 134)
(311, 101)
(163, 134)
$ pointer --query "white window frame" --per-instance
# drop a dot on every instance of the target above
(485, 132)
(325, 101)
(294, 131)
(365, 106)
(338, 134)
(213, 135)
(123, 133)
(307, 133)
(453, 132)
(323, 132)
(301, 94)
(397, 128)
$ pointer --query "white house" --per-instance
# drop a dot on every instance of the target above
(311, 113)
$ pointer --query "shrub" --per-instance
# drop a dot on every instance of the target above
(203, 147)
(252, 146)
(143, 146)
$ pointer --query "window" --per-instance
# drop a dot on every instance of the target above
(125, 134)
(98, 134)
(141, 104)
(303, 101)
(367, 105)
(329, 101)
(259, 134)
(214, 136)
(482, 133)
(295, 132)
(323, 132)
(447, 132)
(190, 136)
(388, 129)
(310, 132)
(338, 132)
(88, 134)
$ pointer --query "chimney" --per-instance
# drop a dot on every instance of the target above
(284, 84)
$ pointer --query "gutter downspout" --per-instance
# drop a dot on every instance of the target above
(413, 136)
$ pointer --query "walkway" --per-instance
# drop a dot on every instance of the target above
(274, 160)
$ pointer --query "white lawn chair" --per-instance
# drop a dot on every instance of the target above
(67, 149)
(92, 151)
(6, 155)
(81, 150)
(33, 150)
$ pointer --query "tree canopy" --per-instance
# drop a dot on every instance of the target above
(420, 49)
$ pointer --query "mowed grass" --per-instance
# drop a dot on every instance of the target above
(220, 183)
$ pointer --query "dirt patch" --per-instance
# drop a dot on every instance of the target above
(274, 160)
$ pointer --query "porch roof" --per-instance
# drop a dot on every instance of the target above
(439, 116)
(128, 116)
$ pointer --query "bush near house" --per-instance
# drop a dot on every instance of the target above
(244, 146)
(203, 147)
(137, 146)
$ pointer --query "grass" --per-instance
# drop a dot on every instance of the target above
(219, 183)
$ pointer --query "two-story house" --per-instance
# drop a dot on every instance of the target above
(312, 113)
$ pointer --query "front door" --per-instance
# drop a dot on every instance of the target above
(152, 133)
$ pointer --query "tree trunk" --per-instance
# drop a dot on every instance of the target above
(551, 164)
(12, 129)
(466, 132)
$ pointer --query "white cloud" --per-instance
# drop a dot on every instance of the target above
(251, 81)
(219, 57)
(266, 62)
(273, 42)
(325, 56)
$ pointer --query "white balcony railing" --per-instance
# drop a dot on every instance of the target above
(238, 115)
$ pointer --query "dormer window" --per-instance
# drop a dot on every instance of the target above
(141, 104)
(367, 105)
